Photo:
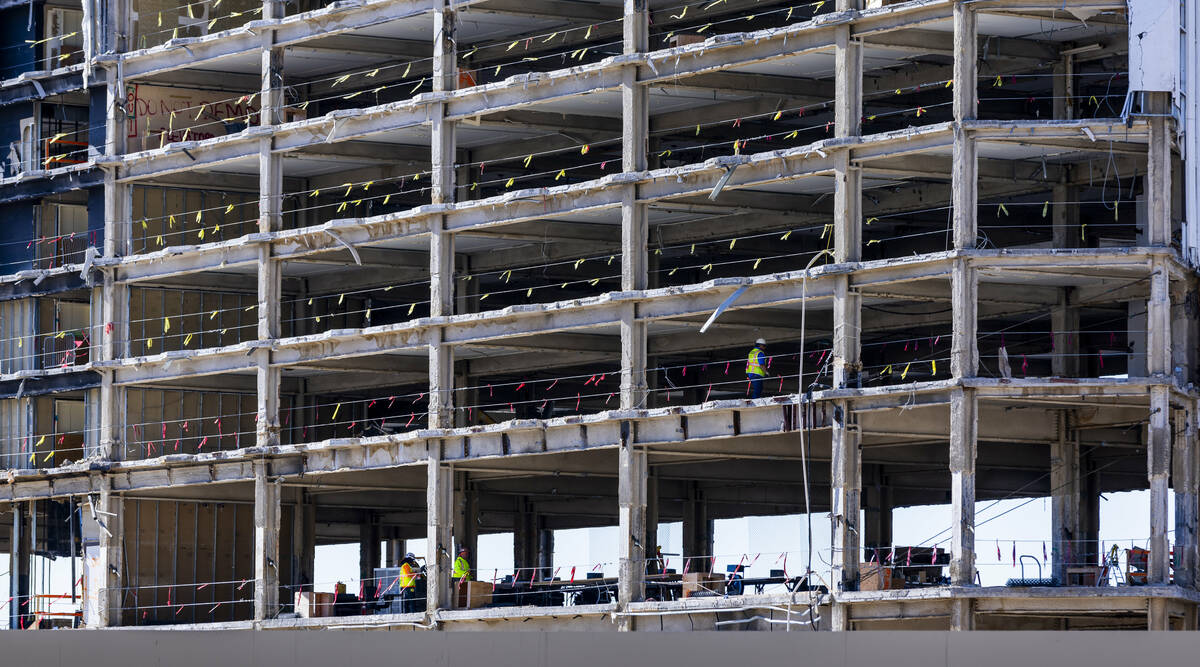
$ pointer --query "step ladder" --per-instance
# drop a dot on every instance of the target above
(1112, 568)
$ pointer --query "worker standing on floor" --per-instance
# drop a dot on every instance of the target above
(756, 367)
(462, 568)
(409, 568)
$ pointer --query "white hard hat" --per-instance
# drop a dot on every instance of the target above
(760, 341)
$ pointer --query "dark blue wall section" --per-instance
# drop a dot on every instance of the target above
(95, 208)
(15, 33)
(16, 231)
(10, 128)
(97, 117)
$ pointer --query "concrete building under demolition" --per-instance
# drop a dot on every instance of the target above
(291, 274)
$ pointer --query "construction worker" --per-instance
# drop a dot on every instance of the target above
(756, 367)
(462, 568)
(409, 569)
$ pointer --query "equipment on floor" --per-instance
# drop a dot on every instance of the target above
(1023, 582)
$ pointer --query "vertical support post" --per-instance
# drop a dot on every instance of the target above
(1090, 483)
(631, 586)
(270, 216)
(846, 473)
(1158, 168)
(1061, 89)
(368, 552)
(964, 198)
(524, 537)
(1064, 321)
(441, 243)
(1065, 494)
(697, 540)
(1064, 215)
(118, 230)
(266, 542)
(545, 550)
(304, 542)
(632, 468)
(1158, 469)
(110, 513)
(964, 293)
(1157, 617)
(963, 430)
(19, 550)
(651, 540)
(877, 501)
(466, 508)
(1158, 440)
(962, 614)
(634, 227)
(846, 497)
(439, 497)
(1184, 480)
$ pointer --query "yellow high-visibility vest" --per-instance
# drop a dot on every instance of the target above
(407, 576)
(462, 569)
(752, 365)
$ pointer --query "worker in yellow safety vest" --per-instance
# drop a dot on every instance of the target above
(462, 568)
(409, 569)
(756, 367)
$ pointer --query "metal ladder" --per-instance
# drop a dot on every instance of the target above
(1112, 568)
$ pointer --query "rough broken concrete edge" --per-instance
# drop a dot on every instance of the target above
(420, 439)
(417, 329)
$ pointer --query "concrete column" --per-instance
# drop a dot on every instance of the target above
(1089, 511)
(1158, 168)
(963, 430)
(439, 498)
(632, 514)
(1061, 104)
(845, 497)
(110, 513)
(1184, 329)
(368, 551)
(1064, 216)
(697, 538)
(847, 218)
(651, 540)
(545, 552)
(118, 230)
(396, 549)
(525, 528)
(634, 227)
(270, 216)
(847, 327)
(962, 614)
(304, 542)
(466, 528)
(964, 295)
(1184, 482)
(964, 198)
(441, 382)
(266, 543)
(635, 122)
(1064, 497)
(877, 501)
(1157, 616)
(441, 244)
(1158, 469)
(19, 551)
(1064, 321)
